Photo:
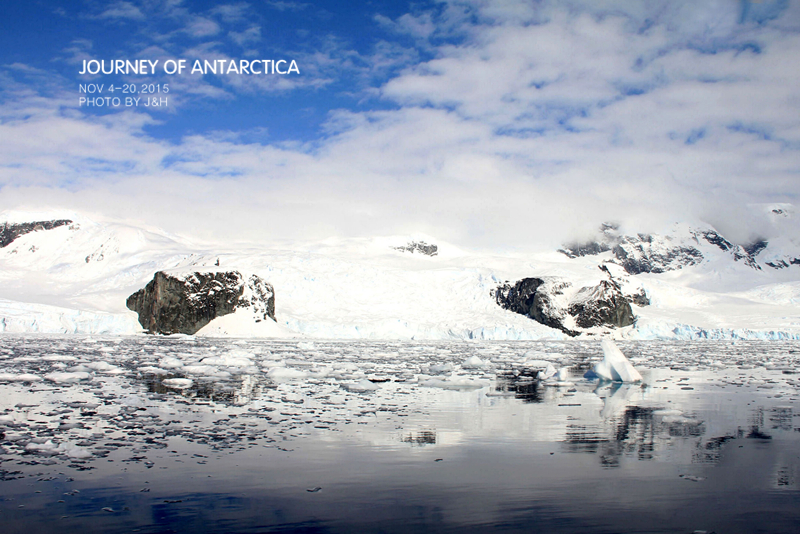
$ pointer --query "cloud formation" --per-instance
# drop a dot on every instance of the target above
(484, 122)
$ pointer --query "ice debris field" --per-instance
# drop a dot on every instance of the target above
(121, 433)
(65, 398)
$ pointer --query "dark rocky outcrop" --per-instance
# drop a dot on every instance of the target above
(755, 247)
(601, 305)
(715, 239)
(545, 301)
(519, 296)
(546, 306)
(782, 264)
(421, 247)
(185, 303)
(640, 298)
(11, 231)
(524, 297)
(590, 248)
(648, 254)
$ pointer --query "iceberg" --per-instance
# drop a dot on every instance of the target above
(615, 366)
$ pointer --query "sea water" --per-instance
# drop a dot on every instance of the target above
(180, 434)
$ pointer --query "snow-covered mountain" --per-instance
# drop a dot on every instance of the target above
(66, 272)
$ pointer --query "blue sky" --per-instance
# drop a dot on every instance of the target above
(484, 122)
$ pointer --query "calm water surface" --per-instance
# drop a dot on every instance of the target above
(146, 434)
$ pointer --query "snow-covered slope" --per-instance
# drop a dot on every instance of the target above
(76, 277)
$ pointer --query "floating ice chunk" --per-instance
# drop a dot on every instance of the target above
(548, 372)
(149, 369)
(558, 378)
(177, 383)
(73, 451)
(48, 447)
(105, 367)
(280, 374)
(615, 366)
(473, 362)
(169, 362)
(320, 372)
(24, 377)
(207, 370)
(455, 382)
(361, 386)
(67, 378)
(437, 368)
(231, 359)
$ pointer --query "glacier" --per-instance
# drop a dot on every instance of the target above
(75, 278)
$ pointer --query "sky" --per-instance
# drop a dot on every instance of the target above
(485, 123)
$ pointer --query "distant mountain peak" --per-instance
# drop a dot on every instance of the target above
(683, 247)
(421, 247)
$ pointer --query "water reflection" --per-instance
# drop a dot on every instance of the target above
(521, 385)
(355, 423)
(421, 438)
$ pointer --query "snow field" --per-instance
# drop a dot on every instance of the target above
(364, 289)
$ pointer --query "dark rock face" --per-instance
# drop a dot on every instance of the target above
(518, 297)
(546, 308)
(10, 231)
(524, 297)
(644, 254)
(653, 253)
(755, 247)
(715, 239)
(782, 264)
(640, 299)
(591, 248)
(420, 246)
(601, 305)
(183, 304)
(541, 300)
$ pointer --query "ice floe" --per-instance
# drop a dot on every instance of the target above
(61, 378)
(615, 366)
(455, 382)
(177, 383)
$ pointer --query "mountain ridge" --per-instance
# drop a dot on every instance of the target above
(366, 288)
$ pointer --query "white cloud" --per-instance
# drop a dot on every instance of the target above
(247, 37)
(122, 10)
(531, 122)
(231, 12)
(201, 27)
